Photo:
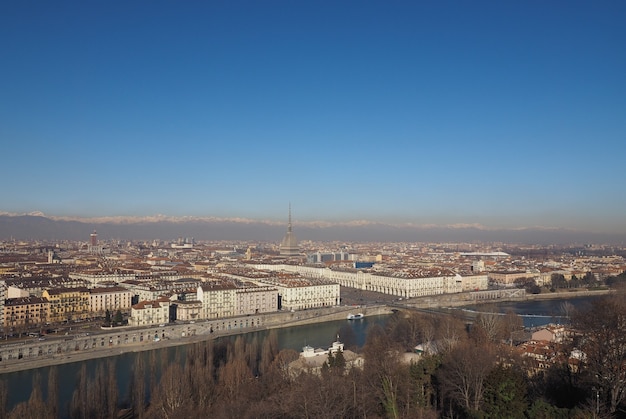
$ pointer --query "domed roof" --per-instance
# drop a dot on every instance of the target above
(289, 241)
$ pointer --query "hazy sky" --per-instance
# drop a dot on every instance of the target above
(502, 114)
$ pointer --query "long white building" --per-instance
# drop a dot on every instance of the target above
(406, 283)
(296, 291)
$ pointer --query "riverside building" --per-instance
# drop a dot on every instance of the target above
(405, 283)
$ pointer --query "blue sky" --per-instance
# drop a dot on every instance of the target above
(501, 114)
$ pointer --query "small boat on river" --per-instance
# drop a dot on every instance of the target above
(357, 316)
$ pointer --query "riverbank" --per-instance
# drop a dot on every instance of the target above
(37, 354)
(32, 355)
(464, 299)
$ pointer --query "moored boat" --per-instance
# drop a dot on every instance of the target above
(355, 316)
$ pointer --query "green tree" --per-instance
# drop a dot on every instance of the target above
(618, 280)
(336, 363)
(107, 318)
(505, 394)
(423, 380)
(558, 281)
(589, 279)
(119, 318)
(541, 409)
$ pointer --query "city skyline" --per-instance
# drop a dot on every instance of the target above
(482, 115)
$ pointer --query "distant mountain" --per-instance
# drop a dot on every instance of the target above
(41, 227)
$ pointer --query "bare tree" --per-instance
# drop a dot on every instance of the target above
(384, 375)
(428, 329)
(252, 355)
(97, 391)
(567, 309)
(138, 393)
(490, 323)
(111, 389)
(199, 373)
(603, 341)
(172, 394)
(52, 400)
(450, 331)
(282, 361)
(405, 328)
(464, 371)
(512, 325)
(78, 404)
(35, 406)
(234, 373)
(269, 351)
(4, 394)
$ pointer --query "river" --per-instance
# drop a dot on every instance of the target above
(536, 312)
(316, 335)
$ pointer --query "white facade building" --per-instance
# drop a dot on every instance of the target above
(294, 297)
(475, 282)
(406, 284)
(112, 299)
(187, 310)
(255, 300)
(299, 293)
(218, 300)
(147, 313)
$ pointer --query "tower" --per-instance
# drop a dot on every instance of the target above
(93, 246)
(289, 245)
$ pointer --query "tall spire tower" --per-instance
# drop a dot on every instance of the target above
(289, 245)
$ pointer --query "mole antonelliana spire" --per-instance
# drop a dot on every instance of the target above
(289, 245)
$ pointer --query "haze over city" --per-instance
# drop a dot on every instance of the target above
(482, 115)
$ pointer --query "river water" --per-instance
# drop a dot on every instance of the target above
(352, 333)
(536, 312)
(317, 335)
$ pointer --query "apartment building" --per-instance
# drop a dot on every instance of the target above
(148, 290)
(508, 278)
(111, 298)
(300, 296)
(148, 313)
(298, 293)
(254, 300)
(67, 304)
(187, 310)
(97, 277)
(25, 312)
(474, 282)
(22, 287)
(218, 299)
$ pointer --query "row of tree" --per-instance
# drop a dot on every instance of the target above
(558, 281)
(475, 373)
